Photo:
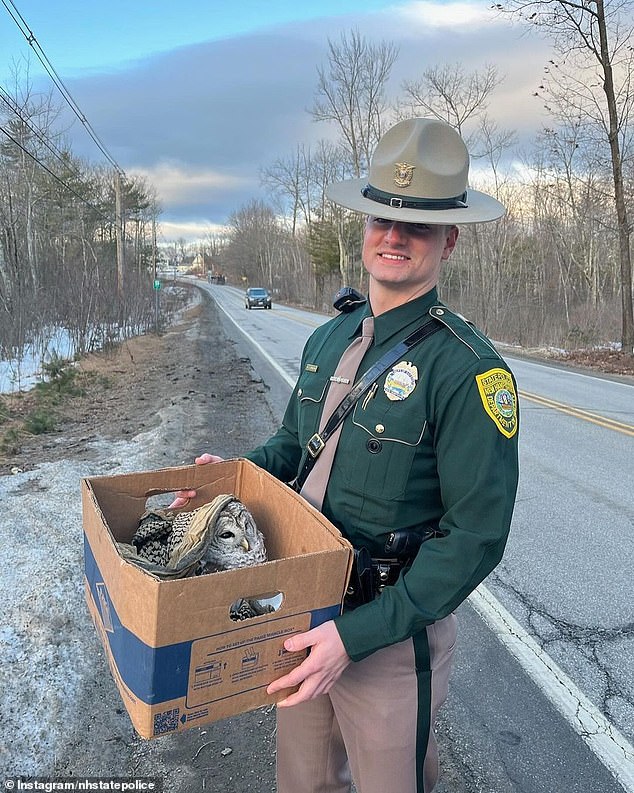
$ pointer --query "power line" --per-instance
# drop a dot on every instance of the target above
(55, 176)
(48, 66)
(14, 108)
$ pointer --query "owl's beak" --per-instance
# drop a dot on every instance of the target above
(244, 543)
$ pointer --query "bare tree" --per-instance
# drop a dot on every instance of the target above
(253, 234)
(57, 264)
(351, 93)
(592, 79)
(291, 179)
(261, 251)
(450, 94)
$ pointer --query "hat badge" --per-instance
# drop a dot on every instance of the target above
(403, 174)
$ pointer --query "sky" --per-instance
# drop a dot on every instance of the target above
(198, 96)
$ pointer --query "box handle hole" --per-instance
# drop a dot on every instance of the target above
(159, 499)
(247, 608)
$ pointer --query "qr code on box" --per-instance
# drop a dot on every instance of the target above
(166, 721)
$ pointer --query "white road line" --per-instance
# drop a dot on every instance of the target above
(286, 377)
(602, 737)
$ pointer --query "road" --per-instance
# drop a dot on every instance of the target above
(543, 691)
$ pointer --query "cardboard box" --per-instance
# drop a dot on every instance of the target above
(177, 658)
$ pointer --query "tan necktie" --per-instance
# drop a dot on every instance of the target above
(342, 381)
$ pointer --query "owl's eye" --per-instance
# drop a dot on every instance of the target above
(226, 535)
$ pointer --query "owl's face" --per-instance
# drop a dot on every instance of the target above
(236, 541)
(230, 533)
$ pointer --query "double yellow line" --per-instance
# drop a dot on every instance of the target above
(601, 421)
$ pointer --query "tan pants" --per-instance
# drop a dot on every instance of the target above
(374, 726)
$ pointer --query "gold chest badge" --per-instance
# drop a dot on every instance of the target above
(400, 381)
(403, 174)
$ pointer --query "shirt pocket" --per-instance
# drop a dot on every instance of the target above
(311, 393)
(383, 440)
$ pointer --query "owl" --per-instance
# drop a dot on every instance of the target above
(235, 540)
(220, 535)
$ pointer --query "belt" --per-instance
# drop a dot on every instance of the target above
(370, 574)
(386, 572)
(369, 578)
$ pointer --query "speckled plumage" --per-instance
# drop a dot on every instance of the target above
(235, 541)
(221, 535)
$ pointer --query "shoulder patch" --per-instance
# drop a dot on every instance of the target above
(498, 396)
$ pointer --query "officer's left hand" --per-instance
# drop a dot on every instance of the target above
(183, 497)
(319, 671)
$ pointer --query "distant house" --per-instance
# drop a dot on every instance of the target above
(186, 264)
(202, 263)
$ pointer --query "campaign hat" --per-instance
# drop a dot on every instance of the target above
(418, 174)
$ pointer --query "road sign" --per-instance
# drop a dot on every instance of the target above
(157, 283)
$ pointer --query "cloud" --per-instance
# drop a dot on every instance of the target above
(190, 230)
(178, 184)
(228, 102)
(202, 121)
(421, 15)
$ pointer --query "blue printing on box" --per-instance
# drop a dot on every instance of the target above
(153, 674)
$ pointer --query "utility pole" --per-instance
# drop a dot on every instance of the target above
(119, 233)
(157, 283)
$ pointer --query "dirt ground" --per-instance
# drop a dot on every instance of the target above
(605, 361)
(191, 365)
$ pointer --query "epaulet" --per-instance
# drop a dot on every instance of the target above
(348, 299)
(465, 331)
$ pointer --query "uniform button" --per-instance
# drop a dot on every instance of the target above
(379, 428)
(374, 446)
(299, 392)
(439, 312)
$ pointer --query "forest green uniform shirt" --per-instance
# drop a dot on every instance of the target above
(433, 443)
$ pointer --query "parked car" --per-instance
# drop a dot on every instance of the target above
(256, 297)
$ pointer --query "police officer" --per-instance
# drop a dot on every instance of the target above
(425, 460)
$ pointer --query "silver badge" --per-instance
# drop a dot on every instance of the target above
(400, 381)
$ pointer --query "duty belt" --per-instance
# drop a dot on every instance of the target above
(370, 575)
(386, 572)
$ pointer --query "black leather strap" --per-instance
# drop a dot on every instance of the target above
(398, 202)
(316, 444)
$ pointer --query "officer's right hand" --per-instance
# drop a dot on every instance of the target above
(183, 496)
